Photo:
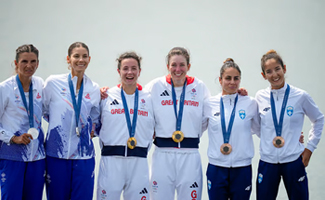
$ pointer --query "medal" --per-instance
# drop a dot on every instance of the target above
(77, 131)
(278, 141)
(132, 142)
(29, 108)
(34, 132)
(76, 107)
(225, 148)
(178, 136)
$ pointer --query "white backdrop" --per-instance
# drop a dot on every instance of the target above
(211, 30)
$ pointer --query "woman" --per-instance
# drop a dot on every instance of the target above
(231, 121)
(176, 162)
(126, 134)
(282, 108)
(22, 163)
(71, 105)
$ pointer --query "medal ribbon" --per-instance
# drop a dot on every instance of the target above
(278, 126)
(76, 107)
(30, 108)
(181, 105)
(135, 113)
(226, 134)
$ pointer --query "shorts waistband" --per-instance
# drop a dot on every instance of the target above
(169, 142)
(120, 151)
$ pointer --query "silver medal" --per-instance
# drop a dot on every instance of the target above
(78, 131)
(34, 132)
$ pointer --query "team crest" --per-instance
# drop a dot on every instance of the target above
(242, 114)
(142, 104)
(260, 178)
(17, 98)
(63, 91)
(289, 111)
(209, 184)
(193, 93)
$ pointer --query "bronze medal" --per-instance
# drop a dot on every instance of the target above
(226, 149)
(132, 142)
(178, 136)
(278, 142)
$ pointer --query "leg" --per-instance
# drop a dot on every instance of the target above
(268, 180)
(218, 183)
(163, 175)
(111, 177)
(83, 175)
(189, 175)
(12, 179)
(138, 175)
(295, 180)
(34, 180)
(241, 183)
(58, 178)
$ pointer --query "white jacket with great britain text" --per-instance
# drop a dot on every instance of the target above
(299, 104)
(114, 131)
(195, 94)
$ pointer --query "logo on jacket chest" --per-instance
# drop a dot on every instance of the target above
(193, 93)
(63, 91)
(143, 104)
(242, 114)
(289, 111)
(17, 99)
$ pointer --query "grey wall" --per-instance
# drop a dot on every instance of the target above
(211, 30)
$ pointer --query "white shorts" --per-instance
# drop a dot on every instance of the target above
(117, 173)
(178, 169)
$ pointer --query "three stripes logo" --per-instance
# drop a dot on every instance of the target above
(114, 102)
(144, 191)
(165, 93)
(194, 185)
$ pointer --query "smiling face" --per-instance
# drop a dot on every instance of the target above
(230, 81)
(78, 60)
(274, 73)
(26, 65)
(129, 72)
(178, 68)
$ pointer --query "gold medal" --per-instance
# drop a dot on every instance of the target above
(178, 136)
(226, 149)
(132, 142)
(278, 141)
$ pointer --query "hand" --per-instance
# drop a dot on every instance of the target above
(242, 92)
(23, 139)
(103, 93)
(301, 139)
(306, 156)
